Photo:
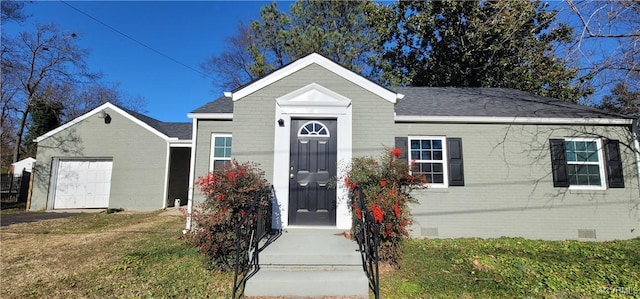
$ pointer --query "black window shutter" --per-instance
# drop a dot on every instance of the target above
(456, 168)
(613, 164)
(401, 144)
(559, 163)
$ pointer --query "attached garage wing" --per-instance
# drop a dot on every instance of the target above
(82, 184)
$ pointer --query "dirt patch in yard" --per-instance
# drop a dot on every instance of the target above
(24, 217)
(39, 256)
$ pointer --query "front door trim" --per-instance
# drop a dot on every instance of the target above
(312, 102)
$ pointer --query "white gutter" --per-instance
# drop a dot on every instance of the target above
(513, 120)
(180, 143)
(210, 115)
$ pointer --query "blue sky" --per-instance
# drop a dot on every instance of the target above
(189, 32)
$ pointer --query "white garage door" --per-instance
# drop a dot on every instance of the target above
(82, 184)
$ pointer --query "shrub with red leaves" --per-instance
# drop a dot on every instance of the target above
(229, 192)
(386, 184)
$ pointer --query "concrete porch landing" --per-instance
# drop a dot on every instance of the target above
(309, 263)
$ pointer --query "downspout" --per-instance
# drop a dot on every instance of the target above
(167, 167)
(192, 174)
(635, 132)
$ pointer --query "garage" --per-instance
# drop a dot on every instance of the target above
(111, 157)
(82, 184)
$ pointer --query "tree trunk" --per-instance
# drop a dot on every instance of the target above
(23, 123)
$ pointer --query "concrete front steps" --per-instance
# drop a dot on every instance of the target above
(309, 263)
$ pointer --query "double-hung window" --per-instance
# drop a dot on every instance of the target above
(438, 158)
(220, 150)
(584, 162)
(429, 157)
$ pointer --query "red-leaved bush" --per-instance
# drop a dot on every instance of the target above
(229, 192)
(386, 184)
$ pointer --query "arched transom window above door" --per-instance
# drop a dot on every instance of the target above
(312, 129)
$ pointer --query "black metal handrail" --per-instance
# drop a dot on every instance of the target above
(253, 227)
(367, 234)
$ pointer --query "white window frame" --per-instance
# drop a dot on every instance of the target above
(600, 163)
(311, 134)
(212, 158)
(444, 161)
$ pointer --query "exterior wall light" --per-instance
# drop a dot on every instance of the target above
(106, 116)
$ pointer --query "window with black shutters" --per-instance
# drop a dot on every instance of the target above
(586, 163)
(438, 158)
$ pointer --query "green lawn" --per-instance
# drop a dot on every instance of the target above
(141, 255)
(115, 255)
(515, 268)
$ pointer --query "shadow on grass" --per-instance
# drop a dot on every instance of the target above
(13, 206)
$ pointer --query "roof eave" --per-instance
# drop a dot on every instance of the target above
(512, 120)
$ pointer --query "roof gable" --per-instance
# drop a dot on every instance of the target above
(315, 95)
(166, 131)
(320, 60)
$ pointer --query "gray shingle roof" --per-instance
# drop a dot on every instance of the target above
(178, 130)
(493, 102)
(181, 131)
(459, 101)
(219, 105)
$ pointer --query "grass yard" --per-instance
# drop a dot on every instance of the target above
(105, 256)
(515, 268)
(140, 256)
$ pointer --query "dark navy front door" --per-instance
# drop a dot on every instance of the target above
(313, 164)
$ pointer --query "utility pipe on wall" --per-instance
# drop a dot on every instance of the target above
(635, 132)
